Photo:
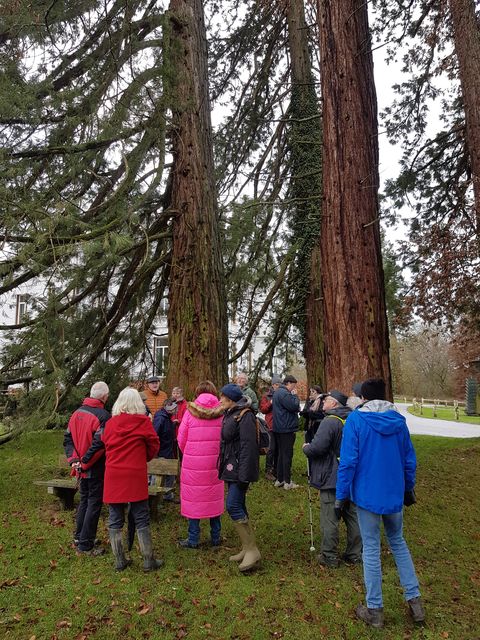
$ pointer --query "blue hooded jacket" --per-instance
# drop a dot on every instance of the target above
(377, 459)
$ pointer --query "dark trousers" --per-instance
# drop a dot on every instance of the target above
(329, 526)
(138, 512)
(285, 442)
(272, 455)
(88, 512)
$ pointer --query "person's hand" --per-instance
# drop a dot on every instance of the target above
(305, 444)
(340, 507)
(409, 498)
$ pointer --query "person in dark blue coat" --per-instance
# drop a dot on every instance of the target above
(286, 406)
(377, 472)
(165, 430)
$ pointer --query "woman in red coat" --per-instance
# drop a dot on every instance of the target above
(130, 442)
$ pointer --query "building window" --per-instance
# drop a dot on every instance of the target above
(21, 310)
(160, 356)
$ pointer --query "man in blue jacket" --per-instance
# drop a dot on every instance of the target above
(377, 472)
(285, 406)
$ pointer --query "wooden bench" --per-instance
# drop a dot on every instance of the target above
(65, 487)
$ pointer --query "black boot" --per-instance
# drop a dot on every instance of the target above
(416, 609)
(116, 540)
(373, 617)
(146, 548)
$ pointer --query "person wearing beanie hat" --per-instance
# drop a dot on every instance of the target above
(377, 471)
(232, 392)
(238, 465)
(286, 406)
(323, 454)
(266, 407)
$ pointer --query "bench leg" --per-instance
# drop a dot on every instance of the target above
(66, 497)
(153, 506)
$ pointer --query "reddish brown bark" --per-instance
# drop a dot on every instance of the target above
(197, 325)
(466, 33)
(355, 321)
(304, 104)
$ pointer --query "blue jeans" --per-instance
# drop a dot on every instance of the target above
(369, 524)
(194, 530)
(236, 506)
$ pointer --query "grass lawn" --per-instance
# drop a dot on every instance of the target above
(445, 413)
(47, 592)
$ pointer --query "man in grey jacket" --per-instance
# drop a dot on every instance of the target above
(323, 454)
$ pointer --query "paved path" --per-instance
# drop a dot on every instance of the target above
(433, 427)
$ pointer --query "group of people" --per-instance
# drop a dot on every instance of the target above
(362, 462)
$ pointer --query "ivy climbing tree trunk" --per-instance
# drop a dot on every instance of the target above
(197, 325)
(305, 138)
(466, 34)
(355, 320)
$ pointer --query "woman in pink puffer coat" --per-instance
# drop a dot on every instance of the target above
(201, 492)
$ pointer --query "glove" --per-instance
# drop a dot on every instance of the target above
(243, 485)
(340, 506)
(409, 498)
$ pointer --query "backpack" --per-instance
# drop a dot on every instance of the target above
(263, 434)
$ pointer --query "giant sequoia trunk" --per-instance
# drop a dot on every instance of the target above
(355, 321)
(197, 325)
(305, 190)
(466, 33)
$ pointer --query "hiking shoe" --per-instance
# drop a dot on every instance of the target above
(278, 484)
(373, 617)
(185, 544)
(417, 611)
(291, 485)
(96, 551)
(325, 562)
(351, 560)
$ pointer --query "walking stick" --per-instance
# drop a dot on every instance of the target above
(310, 516)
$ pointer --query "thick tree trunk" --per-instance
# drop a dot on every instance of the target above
(466, 33)
(355, 320)
(197, 322)
(306, 187)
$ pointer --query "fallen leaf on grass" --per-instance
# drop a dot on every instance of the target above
(63, 624)
(145, 608)
(9, 583)
(53, 564)
(445, 634)
(91, 600)
(96, 581)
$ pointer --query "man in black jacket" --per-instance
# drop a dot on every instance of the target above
(323, 454)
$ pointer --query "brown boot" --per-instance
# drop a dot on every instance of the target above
(373, 617)
(252, 555)
(416, 609)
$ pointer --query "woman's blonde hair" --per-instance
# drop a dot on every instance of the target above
(128, 401)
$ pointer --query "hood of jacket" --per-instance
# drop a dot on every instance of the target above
(93, 402)
(126, 423)
(243, 403)
(378, 406)
(386, 421)
(206, 407)
(341, 412)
